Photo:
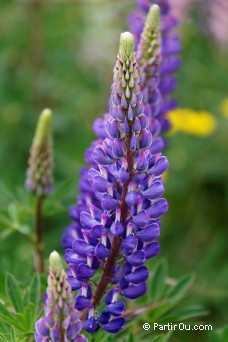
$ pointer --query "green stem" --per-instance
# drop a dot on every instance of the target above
(39, 248)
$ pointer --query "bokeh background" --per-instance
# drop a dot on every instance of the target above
(60, 54)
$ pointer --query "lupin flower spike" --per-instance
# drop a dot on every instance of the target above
(149, 59)
(61, 322)
(170, 49)
(118, 213)
(39, 175)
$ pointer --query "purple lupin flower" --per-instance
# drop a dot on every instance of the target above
(148, 59)
(118, 215)
(170, 50)
(61, 322)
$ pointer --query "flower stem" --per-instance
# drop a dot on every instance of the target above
(110, 263)
(39, 248)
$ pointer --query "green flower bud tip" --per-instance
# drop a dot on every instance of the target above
(43, 130)
(127, 45)
(55, 262)
(153, 18)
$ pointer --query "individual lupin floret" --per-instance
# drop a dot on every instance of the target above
(61, 322)
(124, 223)
(40, 172)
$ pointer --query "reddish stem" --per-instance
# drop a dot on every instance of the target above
(110, 263)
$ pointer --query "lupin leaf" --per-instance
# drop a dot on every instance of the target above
(158, 281)
(13, 293)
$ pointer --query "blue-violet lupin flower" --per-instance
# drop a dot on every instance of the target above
(40, 172)
(123, 222)
(61, 322)
(148, 57)
(170, 50)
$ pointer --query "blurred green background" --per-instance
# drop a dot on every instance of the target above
(60, 54)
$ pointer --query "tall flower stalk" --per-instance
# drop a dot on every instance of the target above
(117, 219)
(170, 49)
(39, 179)
(61, 322)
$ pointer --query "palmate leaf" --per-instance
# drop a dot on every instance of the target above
(34, 292)
(3, 338)
(186, 313)
(7, 317)
(13, 293)
(176, 292)
(158, 281)
(12, 335)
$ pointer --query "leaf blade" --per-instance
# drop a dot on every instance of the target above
(13, 293)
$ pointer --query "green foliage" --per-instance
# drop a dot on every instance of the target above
(20, 310)
(158, 281)
(219, 335)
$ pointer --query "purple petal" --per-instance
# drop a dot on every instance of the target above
(101, 157)
(145, 139)
(82, 248)
(56, 333)
(152, 249)
(96, 231)
(158, 209)
(116, 309)
(113, 129)
(150, 233)
(42, 328)
(134, 142)
(138, 276)
(117, 149)
(123, 175)
(104, 317)
(139, 108)
(101, 252)
(125, 127)
(160, 167)
(134, 291)
(155, 191)
(157, 146)
(82, 302)
(129, 243)
(141, 219)
(111, 295)
(131, 198)
(137, 258)
(81, 338)
(84, 272)
(91, 325)
(117, 228)
(74, 283)
(115, 325)
(99, 128)
(127, 268)
(87, 220)
(136, 125)
(108, 203)
(116, 275)
(99, 184)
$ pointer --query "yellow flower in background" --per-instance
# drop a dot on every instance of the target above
(224, 108)
(195, 122)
